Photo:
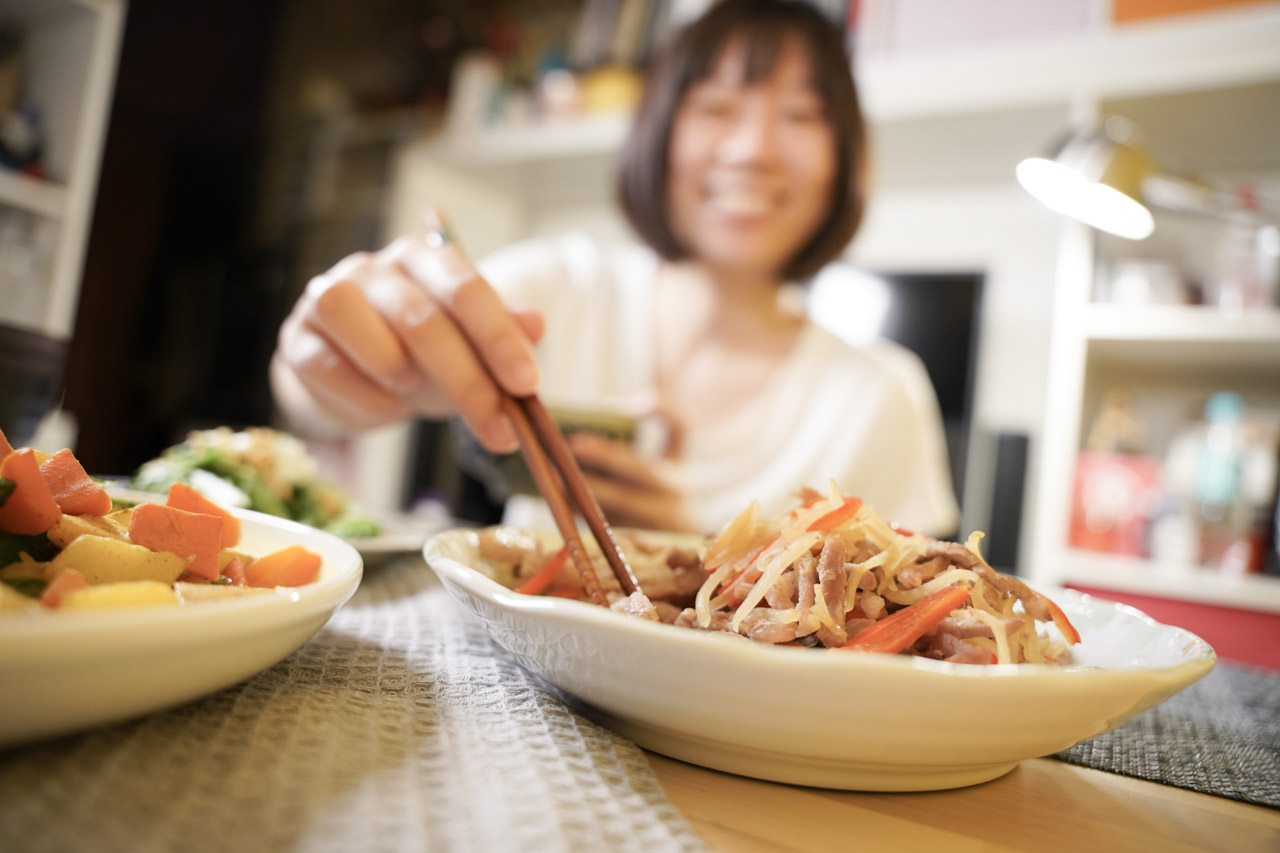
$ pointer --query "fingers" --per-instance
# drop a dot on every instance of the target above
(412, 328)
(338, 388)
(614, 459)
(627, 505)
(498, 338)
(531, 322)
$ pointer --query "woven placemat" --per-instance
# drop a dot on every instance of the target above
(1220, 736)
(400, 726)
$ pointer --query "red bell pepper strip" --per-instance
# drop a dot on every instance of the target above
(545, 575)
(899, 630)
(836, 517)
(1069, 632)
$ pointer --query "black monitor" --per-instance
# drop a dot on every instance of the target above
(937, 315)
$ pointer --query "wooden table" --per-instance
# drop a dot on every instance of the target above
(1043, 805)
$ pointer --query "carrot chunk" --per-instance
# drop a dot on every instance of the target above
(67, 580)
(899, 630)
(193, 536)
(183, 496)
(5, 447)
(73, 489)
(291, 566)
(30, 507)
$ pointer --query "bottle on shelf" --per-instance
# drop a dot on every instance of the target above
(1246, 274)
(1232, 484)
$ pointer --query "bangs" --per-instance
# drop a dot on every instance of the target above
(761, 44)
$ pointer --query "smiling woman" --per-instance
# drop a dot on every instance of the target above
(742, 175)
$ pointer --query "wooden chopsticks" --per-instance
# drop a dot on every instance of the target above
(538, 431)
(539, 435)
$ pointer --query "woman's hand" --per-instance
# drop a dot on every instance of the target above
(411, 329)
(628, 487)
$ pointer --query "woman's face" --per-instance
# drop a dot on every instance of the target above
(751, 165)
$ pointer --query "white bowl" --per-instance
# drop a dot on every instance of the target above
(827, 718)
(61, 672)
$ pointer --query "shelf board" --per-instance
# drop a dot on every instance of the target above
(32, 195)
(1182, 323)
(1193, 336)
(550, 140)
(1186, 52)
(1184, 583)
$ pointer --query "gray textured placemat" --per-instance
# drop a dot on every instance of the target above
(400, 726)
(1219, 736)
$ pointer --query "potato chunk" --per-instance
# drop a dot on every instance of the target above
(123, 594)
(68, 527)
(12, 601)
(102, 560)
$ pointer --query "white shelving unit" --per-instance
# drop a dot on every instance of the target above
(70, 59)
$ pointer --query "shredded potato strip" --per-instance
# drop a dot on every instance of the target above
(702, 602)
(775, 561)
(948, 578)
(856, 571)
(997, 631)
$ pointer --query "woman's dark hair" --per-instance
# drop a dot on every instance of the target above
(764, 26)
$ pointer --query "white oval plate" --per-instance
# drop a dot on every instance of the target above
(61, 672)
(401, 533)
(847, 720)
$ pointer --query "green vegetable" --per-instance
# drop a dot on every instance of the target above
(6, 489)
(216, 452)
(31, 587)
(37, 547)
(354, 526)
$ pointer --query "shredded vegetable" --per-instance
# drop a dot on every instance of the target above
(832, 573)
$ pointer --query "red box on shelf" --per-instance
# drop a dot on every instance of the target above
(1112, 502)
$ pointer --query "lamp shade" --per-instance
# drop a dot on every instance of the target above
(1095, 179)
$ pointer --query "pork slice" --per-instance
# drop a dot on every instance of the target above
(833, 577)
(688, 618)
(1036, 605)
(964, 627)
(806, 570)
(951, 648)
(871, 605)
(782, 595)
(683, 558)
(757, 625)
(667, 612)
(636, 604)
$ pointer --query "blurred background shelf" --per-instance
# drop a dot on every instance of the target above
(43, 198)
(68, 72)
(1091, 61)
(1197, 338)
(1072, 71)
(1185, 583)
